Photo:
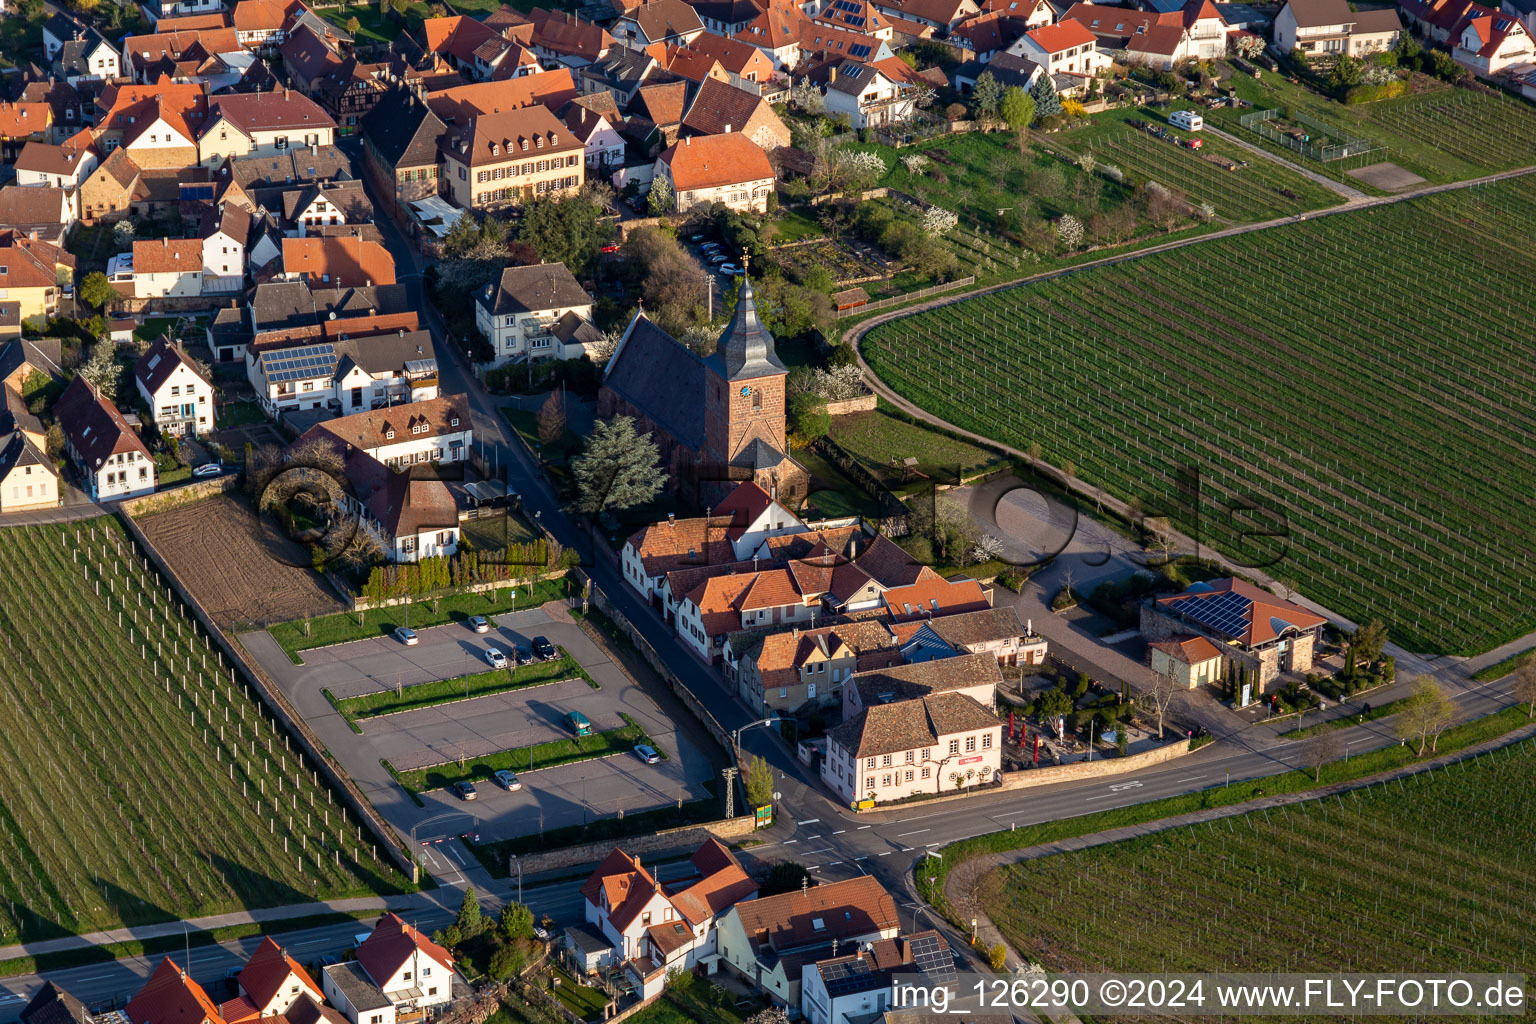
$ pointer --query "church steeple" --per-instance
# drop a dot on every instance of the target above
(745, 349)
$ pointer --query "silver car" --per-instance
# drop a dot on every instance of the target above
(507, 780)
(495, 658)
(406, 635)
(479, 624)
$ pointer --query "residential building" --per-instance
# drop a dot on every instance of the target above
(535, 312)
(179, 397)
(867, 96)
(1252, 627)
(1491, 42)
(561, 39)
(311, 49)
(777, 31)
(349, 365)
(310, 209)
(155, 10)
(501, 160)
(412, 513)
(226, 230)
(943, 15)
(27, 477)
(660, 548)
(171, 996)
(111, 460)
(932, 596)
(107, 192)
(32, 278)
(1190, 661)
(1524, 11)
(1332, 27)
(337, 262)
(974, 675)
(400, 138)
(86, 55)
(242, 123)
(942, 742)
(158, 124)
(724, 18)
(478, 51)
(994, 631)
(398, 973)
(1066, 48)
(716, 421)
(40, 212)
(1208, 30)
(593, 120)
(434, 430)
(161, 268)
(768, 940)
(756, 515)
(61, 167)
(724, 604)
(658, 927)
(183, 56)
(746, 62)
(21, 123)
(460, 105)
(856, 987)
(657, 21)
(260, 24)
(271, 982)
(52, 1004)
(730, 169)
(785, 671)
(719, 108)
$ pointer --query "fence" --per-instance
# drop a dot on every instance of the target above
(893, 514)
(897, 300)
(1352, 145)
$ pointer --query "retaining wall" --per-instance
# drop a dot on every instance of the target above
(162, 501)
(689, 837)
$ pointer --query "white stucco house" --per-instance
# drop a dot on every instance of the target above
(1066, 48)
(107, 454)
(179, 397)
(537, 312)
(398, 973)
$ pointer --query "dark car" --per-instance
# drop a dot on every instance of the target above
(524, 655)
(544, 650)
(465, 790)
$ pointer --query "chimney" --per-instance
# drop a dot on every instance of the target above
(831, 75)
(688, 141)
(727, 129)
(853, 549)
(671, 518)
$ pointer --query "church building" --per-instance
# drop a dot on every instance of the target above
(717, 420)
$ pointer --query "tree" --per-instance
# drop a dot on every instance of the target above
(101, 371)
(1424, 714)
(661, 198)
(987, 95)
(1524, 689)
(1055, 704)
(566, 229)
(1069, 231)
(507, 959)
(997, 957)
(618, 470)
(1160, 697)
(808, 416)
(551, 419)
(1326, 746)
(97, 291)
(54, 441)
(1047, 102)
(1018, 111)
(757, 774)
(806, 97)
(1370, 639)
(353, 25)
(786, 876)
(516, 922)
(469, 920)
(855, 170)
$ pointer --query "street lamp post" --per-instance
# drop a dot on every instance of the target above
(519, 865)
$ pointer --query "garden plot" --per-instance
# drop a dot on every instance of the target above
(849, 262)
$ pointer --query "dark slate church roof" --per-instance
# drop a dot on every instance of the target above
(661, 377)
(746, 348)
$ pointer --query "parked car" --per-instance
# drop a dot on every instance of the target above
(578, 723)
(730, 269)
(647, 753)
(524, 655)
(544, 649)
(465, 790)
(479, 623)
(326, 960)
(541, 933)
(406, 635)
(495, 658)
(610, 248)
(208, 469)
(507, 780)
(696, 238)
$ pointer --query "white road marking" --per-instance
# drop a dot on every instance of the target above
(808, 821)
(790, 842)
(918, 832)
(839, 831)
(908, 849)
(816, 836)
(887, 853)
(834, 863)
(932, 845)
(861, 828)
(865, 857)
(1124, 785)
(1192, 778)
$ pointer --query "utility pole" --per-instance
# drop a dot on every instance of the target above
(729, 775)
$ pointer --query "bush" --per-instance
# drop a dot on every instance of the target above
(1080, 687)
(1372, 93)
(1063, 600)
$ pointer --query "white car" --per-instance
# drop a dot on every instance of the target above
(495, 658)
(406, 635)
(730, 270)
(208, 469)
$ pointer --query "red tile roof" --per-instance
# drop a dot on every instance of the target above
(1064, 36)
(18, 120)
(167, 255)
(172, 997)
(268, 972)
(1191, 650)
(744, 505)
(857, 906)
(552, 89)
(392, 943)
(338, 262)
(928, 598)
(711, 161)
(682, 543)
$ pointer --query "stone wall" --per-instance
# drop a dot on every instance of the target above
(864, 403)
(176, 497)
(688, 837)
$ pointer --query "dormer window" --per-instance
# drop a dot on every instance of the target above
(453, 422)
(389, 434)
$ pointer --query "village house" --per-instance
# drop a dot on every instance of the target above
(768, 940)
(562, 39)
(179, 397)
(1333, 27)
(171, 996)
(398, 973)
(655, 928)
(270, 983)
(857, 987)
(61, 167)
(161, 268)
(746, 62)
(400, 139)
(730, 169)
(1491, 42)
(863, 93)
(111, 460)
(994, 631)
(1252, 627)
(535, 312)
(594, 119)
(719, 108)
(746, 600)
(243, 123)
(776, 31)
(944, 741)
(659, 548)
(27, 477)
(434, 430)
(226, 230)
(1066, 48)
(21, 123)
(943, 15)
(785, 671)
(657, 21)
(260, 24)
(108, 191)
(156, 124)
(156, 10)
(975, 675)
(1189, 661)
(348, 365)
(32, 279)
(337, 262)
(507, 159)
(932, 595)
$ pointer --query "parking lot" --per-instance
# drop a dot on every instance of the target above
(550, 798)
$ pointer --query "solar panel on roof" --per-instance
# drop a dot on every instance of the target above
(859, 50)
(849, 976)
(932, 958)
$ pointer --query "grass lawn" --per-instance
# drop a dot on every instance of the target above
(112, 848)
(20, 40)
(1377, 711)
(376, 28)
(530, 759)
(305, 634)
(1503, 668)
(875, 438)
(152, 328)
(494, 533)
(702, 1002)
(526, 423)
(494, 855)
(581, 1000)
(1128, 380)
(442, 691)
(793, 226)
(833, 493)
(167, 477)
(1366, 880)
(234, 414)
